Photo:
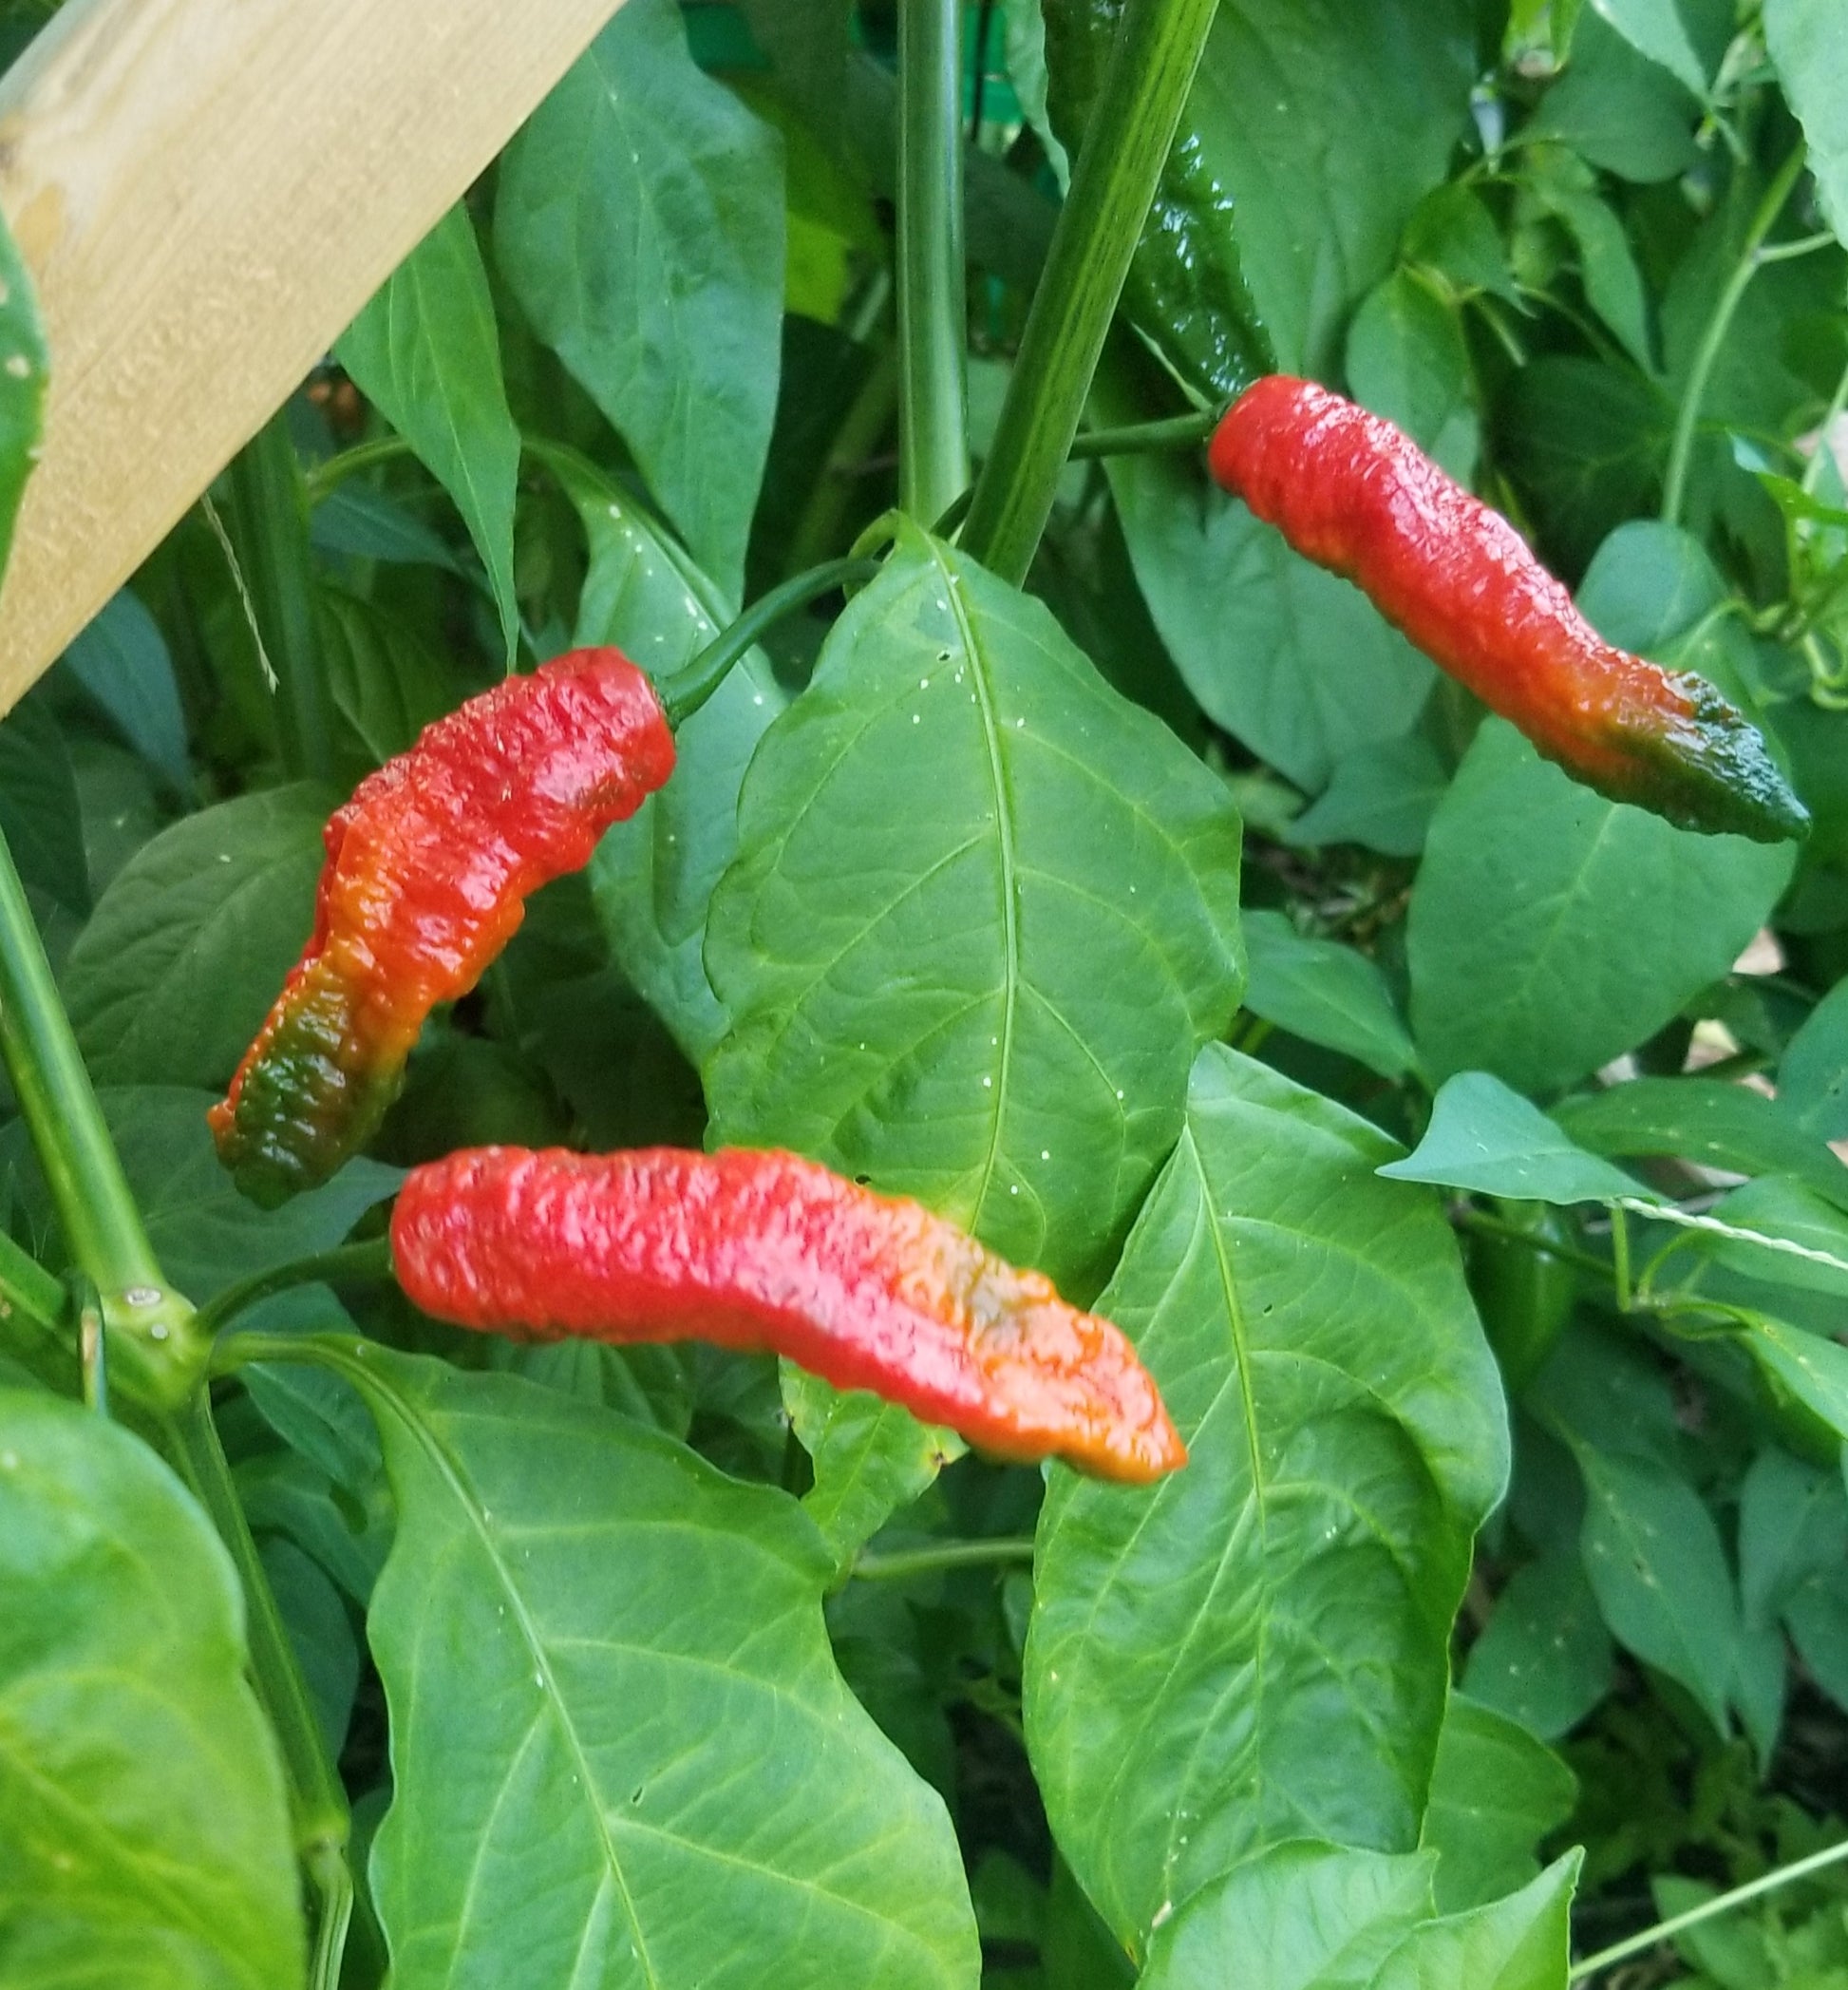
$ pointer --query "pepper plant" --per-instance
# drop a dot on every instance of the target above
(1048, 841)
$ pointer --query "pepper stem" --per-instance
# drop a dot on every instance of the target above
(682, 693)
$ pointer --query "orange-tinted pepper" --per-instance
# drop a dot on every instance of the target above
(768, 1251)
(427, 870)
(1354, 494)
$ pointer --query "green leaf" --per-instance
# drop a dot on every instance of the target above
(1380, 796)
(654, 875)
(1496, 1793)
(1793, 1525)
(1813, 1076)
(1523, 1942)
(1298, 1917)
(1704, 1120)
(1454, 234)
(1654, 1556)
(426, 353)
(1607, 266)
(1325, 993)
(1656, 28)
(120, 659)
(39, 810)
(1545, 1658)
(1550, 930)
(871, 1457)
(360, 523)
(183, 957)
(1491, 1141)
(1806, 1366)
(640, 222)
(204, 1233)
(320, 1633)
(388, 682)
(981, 914)
(1288, 658)
(1407, 361)
(1808, 42)
(1783, 1213)
(1326, 124)
(144, 1833)
(23, 371)
(1258, 1648)
(1619, 110)
(665, 1781)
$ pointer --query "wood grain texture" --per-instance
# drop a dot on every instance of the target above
(206, 192)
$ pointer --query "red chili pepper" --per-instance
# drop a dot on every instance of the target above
(428, 866)
(1352, 493)
(769, 1251)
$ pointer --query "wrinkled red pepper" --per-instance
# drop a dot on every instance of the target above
(1354, 494)
(768, 1251)
(427, 869)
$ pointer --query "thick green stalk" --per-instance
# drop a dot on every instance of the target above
(1752, 257)
(1151, 69)
(1179, 431)
(90, 1191)
(932, 312)
(268, 504)
(902, 1562)
(372, 1261)
(322, 1818)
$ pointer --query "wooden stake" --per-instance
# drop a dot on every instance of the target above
(206, 192)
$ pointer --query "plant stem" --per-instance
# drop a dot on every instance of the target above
(329, 476)
(1151, 68)
(1752, 256)
(351, 1260)
(1180, 431)
(100, 1222)
(682, 693)
(950, 1554)
(1721, 1903)
(932, 311)
(1620, 1256)
(268, 504)
(321, 1814)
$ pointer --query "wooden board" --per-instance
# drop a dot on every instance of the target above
(206, 192)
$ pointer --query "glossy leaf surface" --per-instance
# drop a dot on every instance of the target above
(144, 1836)
(983, 913)
(586, 1635)
(1311, 1332)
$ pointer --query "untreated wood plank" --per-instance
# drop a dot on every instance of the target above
(206, 192)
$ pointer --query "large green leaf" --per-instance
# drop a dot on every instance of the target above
(184, 952)
(1325, 125)
(120, 659)
(640, 221)
(1552, 930)
(621, 1752)
(1656, 30)
(426, 353)
(1258, 1648)
(1496, 1793)
(144, 1837)
(1813, 1075)
(1618, 109)
(654, 875)
(1523, 1942)
(1808, 40)
(983, 913)
(205, 1234)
